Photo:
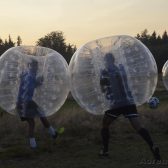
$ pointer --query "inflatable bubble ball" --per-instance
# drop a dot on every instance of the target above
(112, 72)
(165, 75)
(33, 72)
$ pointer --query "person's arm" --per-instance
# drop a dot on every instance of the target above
(125, 81)
(20, 90)
(124, 76)
(120, 82)
(104, 81)
(39, 81)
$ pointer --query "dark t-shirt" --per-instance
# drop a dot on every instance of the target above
(113, 81)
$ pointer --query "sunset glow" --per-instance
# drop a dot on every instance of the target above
(81, 21)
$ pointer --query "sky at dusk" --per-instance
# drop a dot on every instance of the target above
(80, 20)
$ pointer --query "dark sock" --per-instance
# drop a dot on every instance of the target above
(146, 136)
(105, 138)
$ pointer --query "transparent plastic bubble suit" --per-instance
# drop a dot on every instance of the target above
(52, 67)
(112, 72)
(165, 75)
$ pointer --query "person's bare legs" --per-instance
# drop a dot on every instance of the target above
(31, 127)
(107, 121)
(47, 125)
(45, 122)
(135, 122)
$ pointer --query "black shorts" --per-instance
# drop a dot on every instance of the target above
(129, 111)
(29, 110)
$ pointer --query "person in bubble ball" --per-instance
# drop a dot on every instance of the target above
(113, 82)
(26, 107)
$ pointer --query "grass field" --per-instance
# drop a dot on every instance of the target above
(78, 147)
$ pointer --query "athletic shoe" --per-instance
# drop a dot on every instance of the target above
(156, 153)
(103, 153)
(55, 135)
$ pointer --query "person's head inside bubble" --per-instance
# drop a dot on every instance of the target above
(33, 65)
(109, 59)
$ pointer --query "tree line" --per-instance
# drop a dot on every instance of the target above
(8, 43)
(157, 44)
(54, 40)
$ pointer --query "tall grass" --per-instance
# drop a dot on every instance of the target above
(79, 145)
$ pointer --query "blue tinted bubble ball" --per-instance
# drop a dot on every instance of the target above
(53, 69)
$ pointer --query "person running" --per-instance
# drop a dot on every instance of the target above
(113, 82)
(26, 106)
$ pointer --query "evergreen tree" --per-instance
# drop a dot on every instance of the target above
(153, 38)
(138, 36)
(144, 36)
(159, 40)
(6, 45)
(19, 41)
(1, 41)
(1, 46)
(165, 37)
(10, 42)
